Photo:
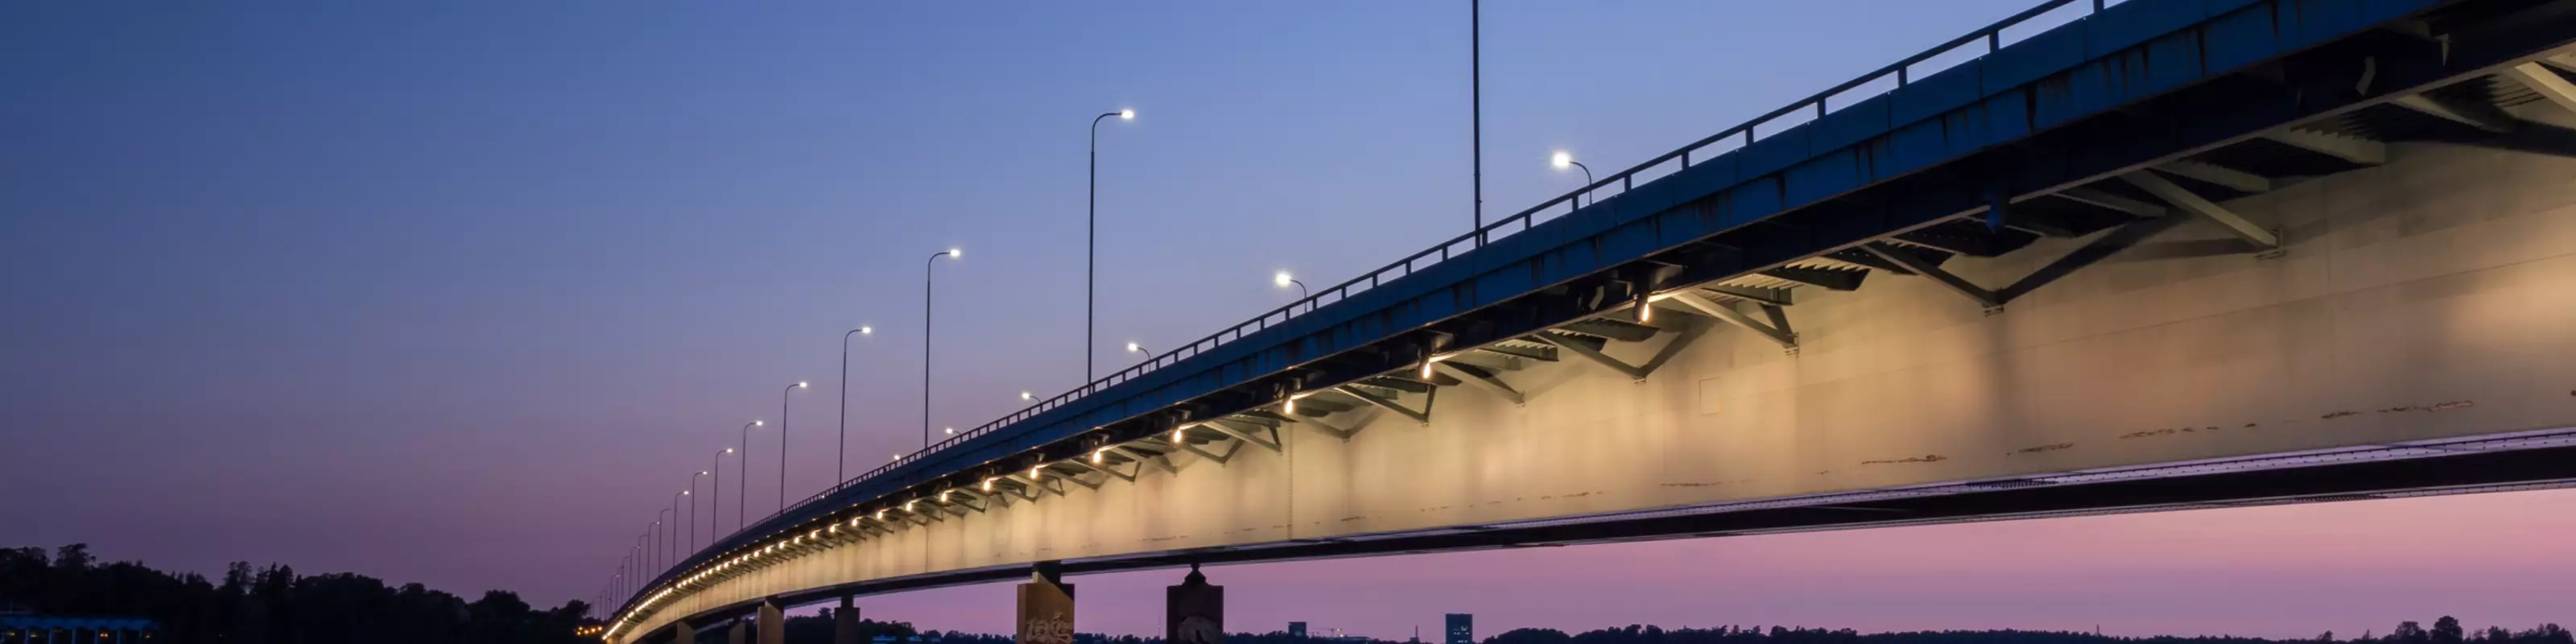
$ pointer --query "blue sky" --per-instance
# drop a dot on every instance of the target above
(460, 292)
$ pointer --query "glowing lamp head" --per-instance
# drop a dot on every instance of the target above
(1135, 348)
(1561, 160)
(1027, 396)
(757, 423)
(952, 431)
(1098, 454)
(800, 384)
(1127, 114)
(988, 484)
(867, 330)
(728, 450)
(1282, 279)
(956, 253)
(1035, 472)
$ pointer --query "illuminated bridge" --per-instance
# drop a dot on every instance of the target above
(2163, 254)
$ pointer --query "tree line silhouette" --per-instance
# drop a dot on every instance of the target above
(273, 605)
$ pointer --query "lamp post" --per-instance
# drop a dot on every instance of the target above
(925, 339)
(643, 561)
(715, 495)
(672, 557)
(782, 442)
(841, 455)
(1284, 280)
(1476, 106)
(693, 510)
(1091, 239)
(739, 478)
(1562, 159)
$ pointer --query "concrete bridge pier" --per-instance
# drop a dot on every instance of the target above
(1194, 612)
(1045, 606)
(739, 634)
(682, 633)
(845, 623)
(773, 623)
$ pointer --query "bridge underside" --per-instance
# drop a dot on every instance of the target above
(2370, 301)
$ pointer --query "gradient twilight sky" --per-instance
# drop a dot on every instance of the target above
(459, 293)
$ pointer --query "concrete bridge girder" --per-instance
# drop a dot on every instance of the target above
(2431, 271)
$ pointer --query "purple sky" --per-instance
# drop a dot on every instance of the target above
(461, 292)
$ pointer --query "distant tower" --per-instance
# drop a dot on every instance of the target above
(1462, 628)
(1296, 629)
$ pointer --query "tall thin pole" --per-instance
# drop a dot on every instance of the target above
(740, 482)
(1091, 248)
(782, 443)
(715, 496)
(1476, 111)
(674, 548)
(925, 345)
(841, 455)
(693, 510)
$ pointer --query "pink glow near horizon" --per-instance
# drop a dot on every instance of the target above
(2284, 571)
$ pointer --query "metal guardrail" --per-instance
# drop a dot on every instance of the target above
(1525, 219)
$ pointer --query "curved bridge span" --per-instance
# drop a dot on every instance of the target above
(2172, 254)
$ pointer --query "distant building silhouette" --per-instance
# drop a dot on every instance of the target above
(1296, 629)
(1462, 628)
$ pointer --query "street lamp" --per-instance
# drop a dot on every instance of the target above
(925, 339)
(1026, 396)
(1562, 159)
(740, 479)
(715, 495)
(782, 441)
(1284, 280)
(693, 509)
(1138, 348)
(1091, 239)
(841, 455)
(671, 533)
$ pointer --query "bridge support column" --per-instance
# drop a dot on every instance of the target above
(773, 624)
(1194, 612)
(682, 633)
(740, 633)
(845, 623)
(1046, 606)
